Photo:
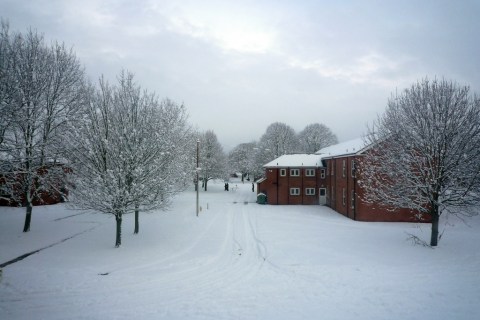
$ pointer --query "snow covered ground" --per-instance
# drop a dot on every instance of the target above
(237, 260)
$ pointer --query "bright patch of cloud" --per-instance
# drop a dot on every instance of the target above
(227, 29)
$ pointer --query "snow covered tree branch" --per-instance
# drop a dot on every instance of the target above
(425, 151)
(42, 89)
(129, 153)
(212, 158)
(315, 137)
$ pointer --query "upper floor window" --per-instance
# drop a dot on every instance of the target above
(344, 164)
(333, 171)
(353, 168)
(310, 191)
(294, 172)
(294, 191)
(310, 172)
(322, 173)
(283, 172)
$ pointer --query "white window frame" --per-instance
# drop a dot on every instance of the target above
(344, 165)
(293, 171)
(352, 169)
(322, 174)
(353, 199)
(310, 191)
(344, 197)
(294, 191)
(310, 172)
(283, 172)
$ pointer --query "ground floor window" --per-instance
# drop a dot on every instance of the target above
(344, 197)
(310, 191)
(353, 199)
(294, 191)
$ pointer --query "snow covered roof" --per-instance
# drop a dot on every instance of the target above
(260, 180)
(355, 146)
(296, 160)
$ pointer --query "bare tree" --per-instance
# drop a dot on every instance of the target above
(315, 137)
(131, 155)
(42, 90)
(425, 152)
(278, 139)
(212, 158)
(241, 158)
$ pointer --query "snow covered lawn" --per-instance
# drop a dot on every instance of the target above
(237, 260)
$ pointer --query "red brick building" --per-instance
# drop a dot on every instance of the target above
(12, 195)
(331, 177)
(294, 179)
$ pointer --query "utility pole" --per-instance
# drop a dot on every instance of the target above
(196, 170)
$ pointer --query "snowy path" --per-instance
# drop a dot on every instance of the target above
(237, 260)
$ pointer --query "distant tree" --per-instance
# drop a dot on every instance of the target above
(278, 139)
(425, 152)
(212, 158)
(129, 152)
(241, 158)
(42, 90)
(315, 137)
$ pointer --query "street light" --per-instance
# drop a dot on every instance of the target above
(197, 169)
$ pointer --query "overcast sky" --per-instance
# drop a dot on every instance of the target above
(239, 66)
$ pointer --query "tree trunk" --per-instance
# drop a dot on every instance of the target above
(118, 240)
(137, 225)
(435, 220)
(205, 184)
(28, 217)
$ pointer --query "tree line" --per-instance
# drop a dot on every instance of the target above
(278, 139)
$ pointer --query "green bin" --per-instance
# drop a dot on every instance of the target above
(261, 198)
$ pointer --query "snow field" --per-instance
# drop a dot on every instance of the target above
(237, 260)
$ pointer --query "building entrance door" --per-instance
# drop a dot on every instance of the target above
(322, 196)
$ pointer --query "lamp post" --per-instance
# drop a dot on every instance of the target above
(196, 170)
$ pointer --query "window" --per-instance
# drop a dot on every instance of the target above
(5, 191)
(353, 168)
(353, 199)
(333, 171)
(310, 172)
(343, 168)
(322, 173)
(294, 191)
(310, 191)
(294, 172)
(344, 197)
(283, 172)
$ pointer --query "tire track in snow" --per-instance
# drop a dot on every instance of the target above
(226, 269)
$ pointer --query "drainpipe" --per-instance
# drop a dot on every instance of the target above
(355, 191)
(278, 172)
